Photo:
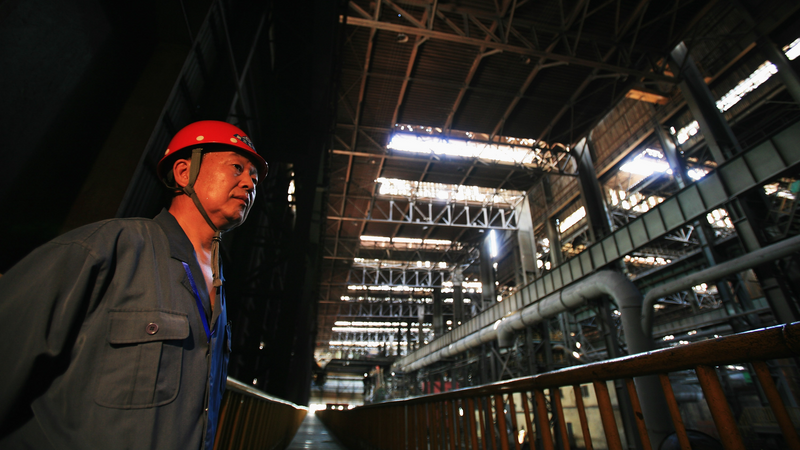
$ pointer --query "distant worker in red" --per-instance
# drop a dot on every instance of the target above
(115, 335)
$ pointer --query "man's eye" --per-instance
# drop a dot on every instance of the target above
(238, 167)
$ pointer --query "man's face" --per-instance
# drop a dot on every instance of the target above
(226, 185)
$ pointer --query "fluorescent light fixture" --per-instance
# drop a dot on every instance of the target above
(493, 244)
(376, 238)
(792, 50)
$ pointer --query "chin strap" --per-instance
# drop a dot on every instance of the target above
(215, 241)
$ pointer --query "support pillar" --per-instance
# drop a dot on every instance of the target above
(438, 319)
(531, 351)
(484, 363)
(526, 242)
(745, 209)
(399, 339)
(786, 72)
(489, 296)
(547, 346)
(717, 133)
(553, 236)
(674, 158)
(592, 195)
(408, 338)
(551, 229)
(609, 329)
(706, 236)
(421, 319)
(458, 297)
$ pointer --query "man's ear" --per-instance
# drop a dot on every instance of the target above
(181, 170)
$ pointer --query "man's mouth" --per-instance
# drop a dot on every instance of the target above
(244, 199)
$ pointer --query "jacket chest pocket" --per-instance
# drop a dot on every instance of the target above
(142, 363)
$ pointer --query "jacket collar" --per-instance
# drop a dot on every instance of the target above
(180, 247)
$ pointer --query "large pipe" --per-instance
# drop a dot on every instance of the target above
(755, 258)
(606, 282)
(629, 300)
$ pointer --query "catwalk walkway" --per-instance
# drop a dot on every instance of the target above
(313, 435)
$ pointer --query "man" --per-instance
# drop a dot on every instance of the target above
(115, 335)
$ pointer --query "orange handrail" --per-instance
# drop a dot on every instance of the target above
(251, 419)
(435, 421)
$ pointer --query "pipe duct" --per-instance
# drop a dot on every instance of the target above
(755, 258)
(605, 282)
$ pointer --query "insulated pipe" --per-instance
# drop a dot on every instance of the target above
(606, 282)
(629, 300)
(747, 261)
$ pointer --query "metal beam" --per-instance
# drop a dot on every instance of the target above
(438, 35)
(639, 11)
(438, 214)
(391, 277)
(363, 87)
(553, 169)
(541, 64)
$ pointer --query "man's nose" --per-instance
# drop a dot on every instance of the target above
(248, 184)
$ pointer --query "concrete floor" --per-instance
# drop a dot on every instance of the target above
(313, 435)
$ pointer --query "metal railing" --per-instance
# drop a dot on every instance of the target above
(250, 418)
(491, 416)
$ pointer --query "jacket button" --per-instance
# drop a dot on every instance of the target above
(152, 328)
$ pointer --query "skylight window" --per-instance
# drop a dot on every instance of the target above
(496, 153)
(688, 131)
(635, 201)
(572, 219)
(696, 173)
(719, 219)
(409, 243)
(647, 163)
(447, 192)
(647, 260)
(749, 84)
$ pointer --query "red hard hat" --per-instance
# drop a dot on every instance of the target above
(212, 132)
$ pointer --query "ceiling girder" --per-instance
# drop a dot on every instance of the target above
(430, 213)
(391, 277)
(636, 15)
(539, 66)
(481, 43)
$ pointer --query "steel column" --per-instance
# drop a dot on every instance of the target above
(716, 131)
(592, 195)
(438, 319)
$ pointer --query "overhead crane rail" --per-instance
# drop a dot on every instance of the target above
(491, 416)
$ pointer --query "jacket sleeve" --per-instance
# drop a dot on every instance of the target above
(44, 299)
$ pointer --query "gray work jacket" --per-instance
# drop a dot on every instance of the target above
(104, 344)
